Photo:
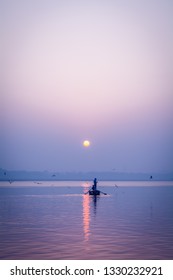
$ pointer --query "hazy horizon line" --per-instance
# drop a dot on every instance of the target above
(82, 171)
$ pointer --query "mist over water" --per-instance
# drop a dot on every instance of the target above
(56, 220)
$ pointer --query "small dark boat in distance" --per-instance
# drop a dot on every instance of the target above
(94, 192)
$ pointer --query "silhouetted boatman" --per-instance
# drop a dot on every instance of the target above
(94, 187)
(93, 190)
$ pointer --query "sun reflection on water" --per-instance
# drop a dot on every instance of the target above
(86, 215)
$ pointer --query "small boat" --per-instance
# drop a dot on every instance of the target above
(94, 192)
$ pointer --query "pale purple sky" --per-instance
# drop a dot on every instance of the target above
(75, 70)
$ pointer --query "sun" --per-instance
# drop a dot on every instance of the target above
(86, 143)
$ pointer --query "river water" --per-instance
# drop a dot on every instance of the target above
(57, 220)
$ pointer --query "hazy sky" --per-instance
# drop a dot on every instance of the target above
(97, 70)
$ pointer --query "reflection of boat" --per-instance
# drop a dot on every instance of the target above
(94, 192)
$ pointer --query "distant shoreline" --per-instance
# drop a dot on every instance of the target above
(6, 175)
(69, 180)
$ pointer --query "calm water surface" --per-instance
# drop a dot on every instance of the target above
(56, 220)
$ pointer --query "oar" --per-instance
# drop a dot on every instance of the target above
(103, 193)
(88, 191)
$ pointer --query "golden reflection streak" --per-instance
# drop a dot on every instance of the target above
(86, 215)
